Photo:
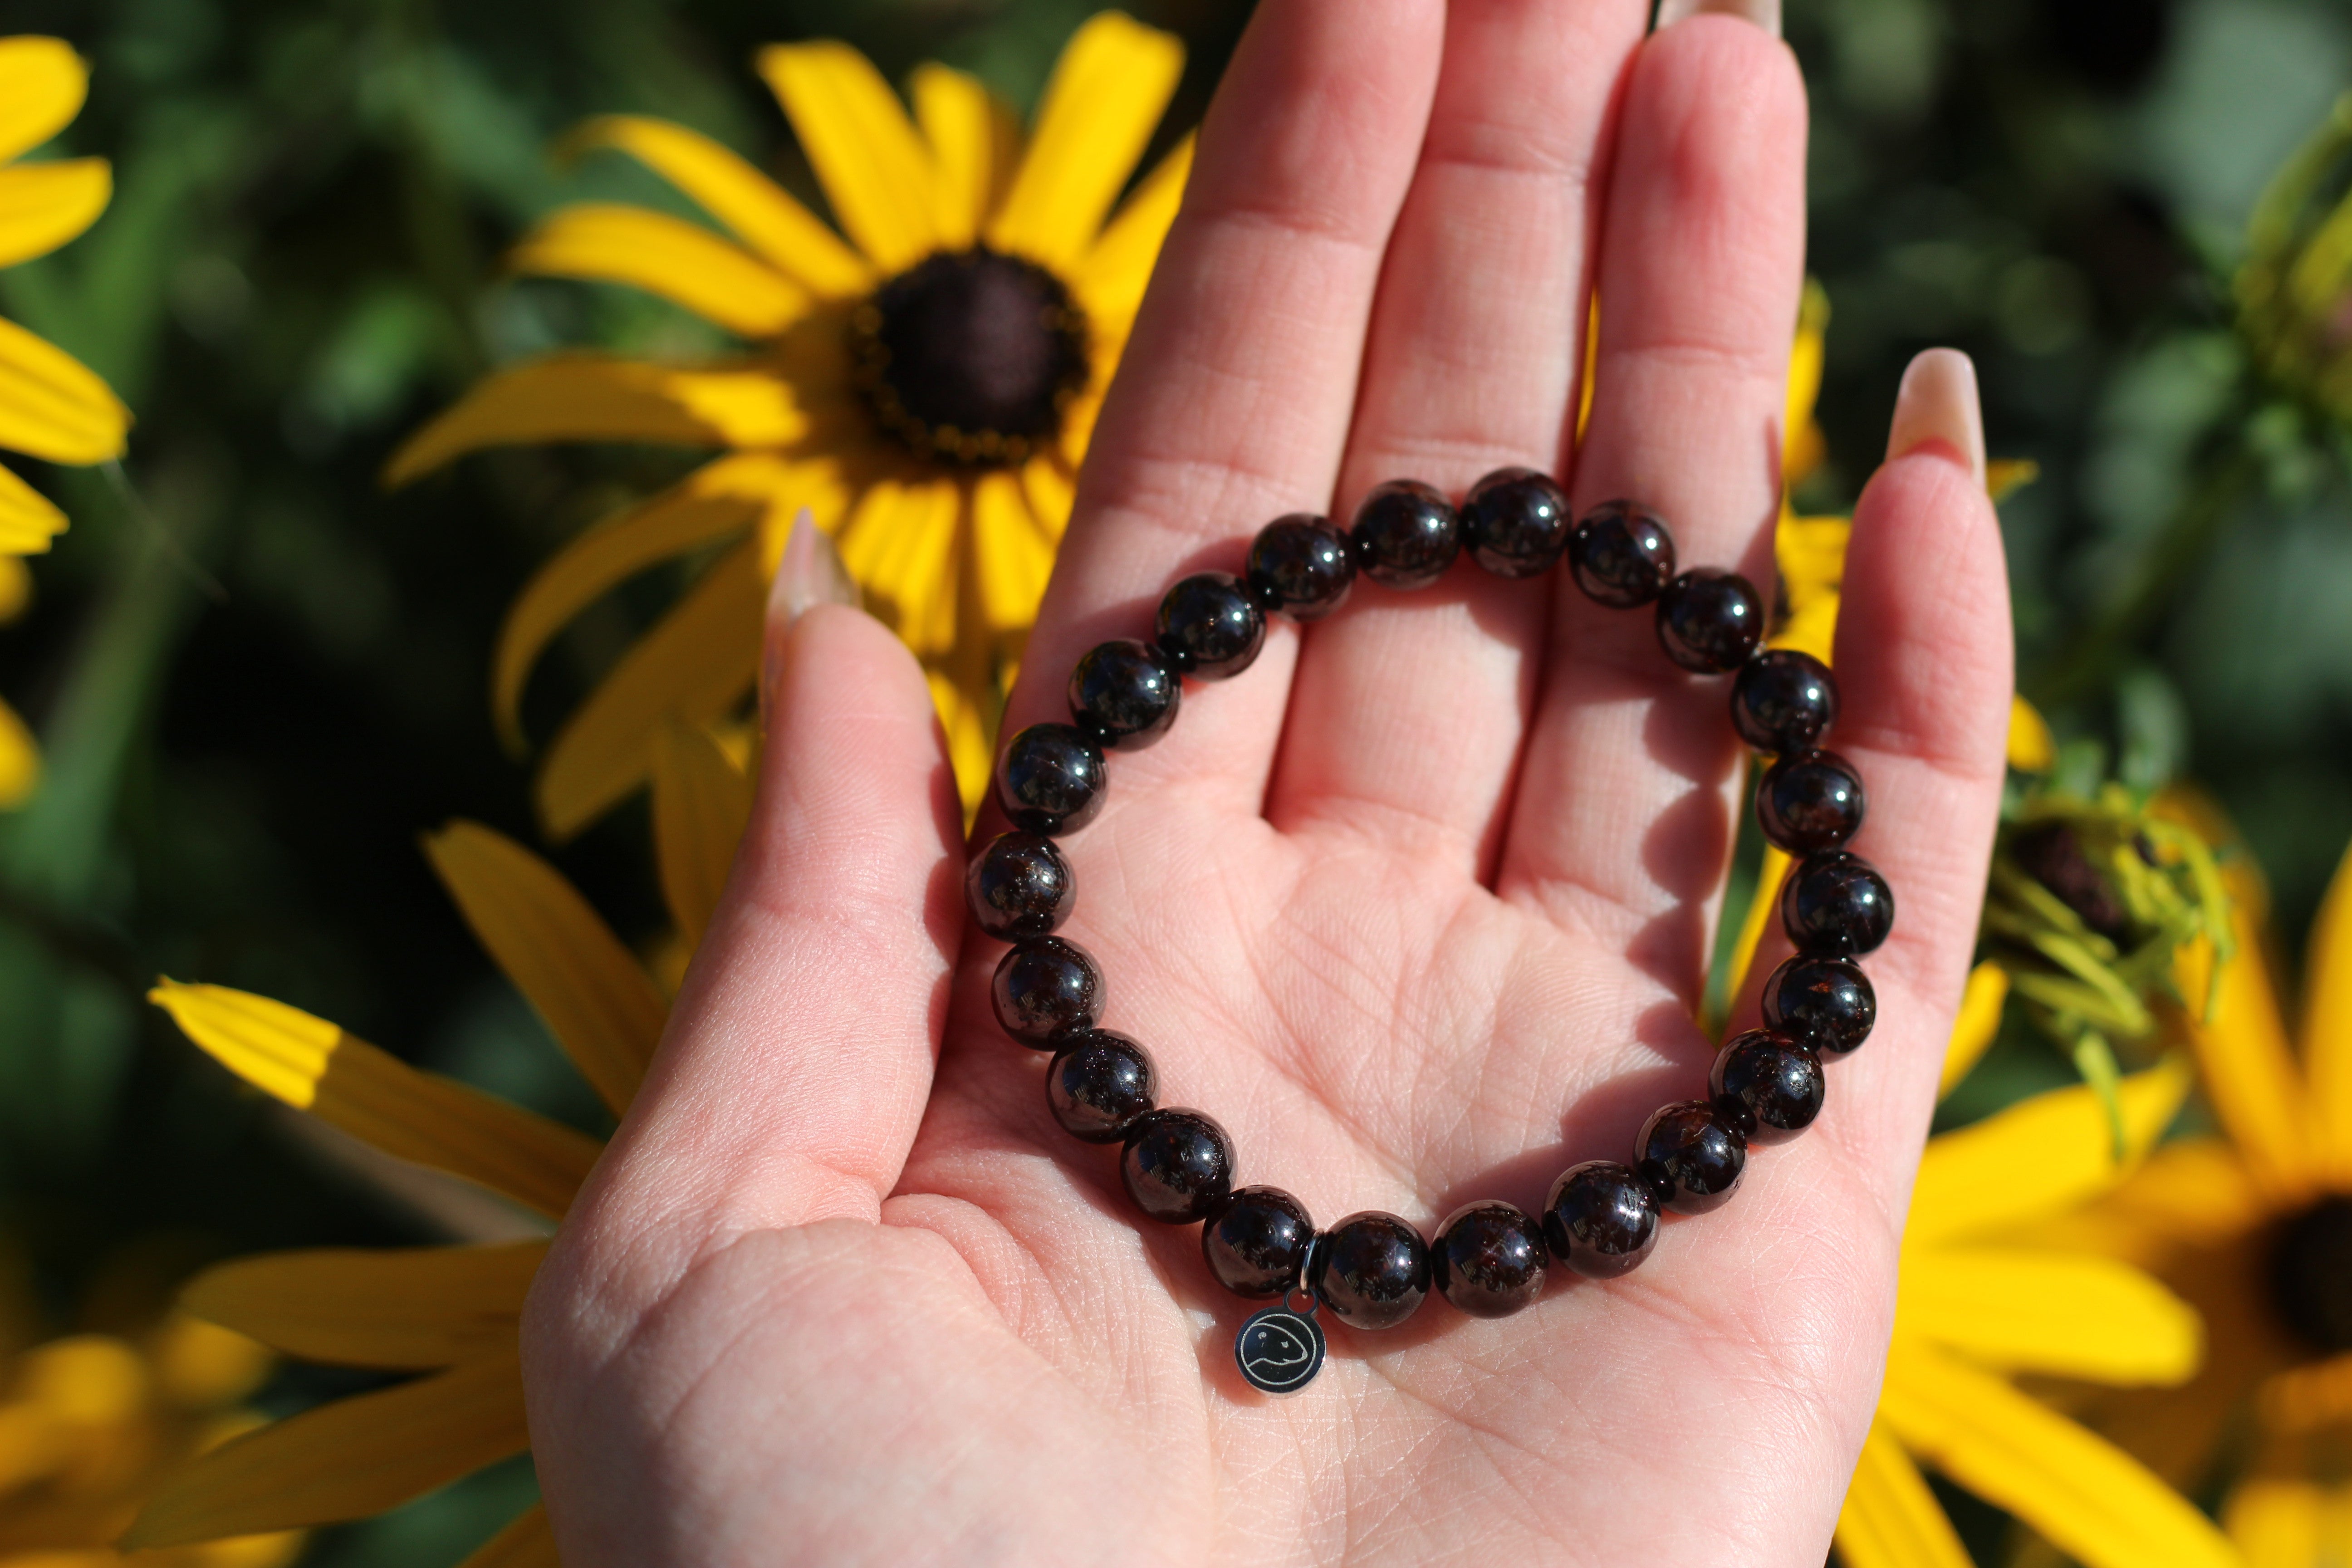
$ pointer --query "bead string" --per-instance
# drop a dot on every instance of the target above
(1373, 1270)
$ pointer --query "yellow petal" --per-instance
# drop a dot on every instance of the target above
(202, 1366)
(1801, 441)
(314, 1065)
(52, 406)
(1105, 95)
(590, 991)
(2036, 1158)
(876, 171)
(42, 83)
(1978, 1023)
(1109, 278)
(970, 748)
(785, 233)
(682, 262)
(1769, 874)
(901, 545)
(2031, 749)
(2087, 1496)
(1809, 553)
(701, 803)
(2005, 476)
(2250, 1073)
(965, 127)
(2278, 1521)
(413, 1309)
(349, 1459)
(2066, 1315)
(1011, 553)
(1050, 494)
(592, 397)
(2327, 1017)
(527, 1543)
(20, 760)
(1890, 1518)
(42, 205)
(697, 663)
(15, 585)
(28, 519)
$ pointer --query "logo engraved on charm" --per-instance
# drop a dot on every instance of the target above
(1279, 1350)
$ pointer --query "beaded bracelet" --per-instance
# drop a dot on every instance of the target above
(1373, 1270)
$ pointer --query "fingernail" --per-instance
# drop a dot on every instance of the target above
(1938, 403)
(1765, 14)
(810, 574)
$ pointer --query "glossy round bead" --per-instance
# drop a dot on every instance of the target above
(1018, 886)
(1826, 1002)
(1405, 534)
(1601, 1220)
(1098, 1083)
(1709, 622)
(1178, 1166)
(1767, 1084)
(1488, 1259)
(1257, 1243)
(1691, 1156)
(1301, 565)
(1052, 780)
(1515, 523)
(1622, 556)
(1809, 801)
(1836, 903)
(1371, 1270)
(1209, 627)
(1783, 701)
(1046, 986)
(1124, 694)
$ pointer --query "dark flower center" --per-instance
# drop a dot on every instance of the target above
(2310, 1275)
(2053, 856)
(971, 356)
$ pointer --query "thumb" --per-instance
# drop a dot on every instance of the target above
(799, 1055)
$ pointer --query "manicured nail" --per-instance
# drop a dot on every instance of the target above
(1938, 403)
(811, 574)
(1765, 14)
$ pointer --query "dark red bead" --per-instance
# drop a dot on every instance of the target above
(1301, 565)
(1209, 627)
(1046, 987)
(1691, 1156)
(1018, 886)
(1709, 622)
(1124, 694)
(1515, 523)
(1404, 535)
(1809, 801)
(1178, 1166)
(1601, 1220)
(1052, 780)
(1826, 1002)
(1257, 1245)
(1836, 903)
(1098, 1083)
(1371, 1270)
(1767, 1085)
(1488, 1259)
(1622, 556)
(1783, 701)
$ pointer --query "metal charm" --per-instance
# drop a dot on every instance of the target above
(1280, 1349)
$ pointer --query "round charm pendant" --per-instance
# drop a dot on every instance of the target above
(1280, 1350)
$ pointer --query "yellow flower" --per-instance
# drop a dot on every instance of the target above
(450, 1314)
(51, 406)
(925, 387)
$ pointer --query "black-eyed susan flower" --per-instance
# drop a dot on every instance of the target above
(923, 381)
(52, 406)
(451, 1315)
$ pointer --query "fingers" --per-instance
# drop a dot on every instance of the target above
(1622, 821)
(1242, 368)
(798, 1056)
(1476, 341)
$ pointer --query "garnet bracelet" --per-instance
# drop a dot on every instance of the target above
(1372, 1269)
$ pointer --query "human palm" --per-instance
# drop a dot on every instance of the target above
(1419, 907)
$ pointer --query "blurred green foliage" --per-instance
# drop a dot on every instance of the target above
(258, 677)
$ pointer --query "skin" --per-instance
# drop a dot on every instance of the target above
(1418, 907)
